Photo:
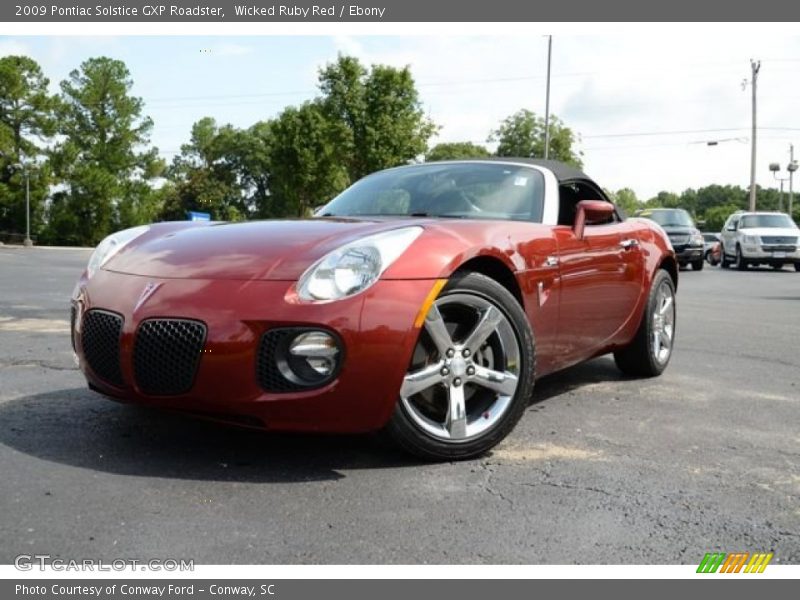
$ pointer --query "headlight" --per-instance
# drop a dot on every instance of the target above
(355, 266)
(111, 245)
(696, 240)
(750, 239)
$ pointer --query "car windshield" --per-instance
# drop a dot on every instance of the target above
(777, 220)
(669, 218)
(451, 190)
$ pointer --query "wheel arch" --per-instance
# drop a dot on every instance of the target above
(670, 265)
(495, 269)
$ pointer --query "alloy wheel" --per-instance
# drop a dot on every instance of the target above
(465, 369)
(663, 325)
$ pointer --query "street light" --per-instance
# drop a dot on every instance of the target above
(775, 168)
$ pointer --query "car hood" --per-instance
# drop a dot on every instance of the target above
(771, 231)
(268, 250)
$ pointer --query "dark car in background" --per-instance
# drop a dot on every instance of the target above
(686, 239)
(711, 248)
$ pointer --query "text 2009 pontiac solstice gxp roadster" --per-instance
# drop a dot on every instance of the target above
(423, 300)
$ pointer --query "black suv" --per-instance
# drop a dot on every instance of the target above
(684, 236)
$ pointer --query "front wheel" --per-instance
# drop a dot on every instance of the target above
(697, 265)
(797, 267)
(723, 259)
(741, 263)
(471, 374)
(649, 352)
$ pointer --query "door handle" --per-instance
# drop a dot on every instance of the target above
(629, 243)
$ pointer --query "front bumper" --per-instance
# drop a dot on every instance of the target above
(686, 254)
(771, 254)
(376, 328)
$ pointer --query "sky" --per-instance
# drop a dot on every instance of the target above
(643, 106)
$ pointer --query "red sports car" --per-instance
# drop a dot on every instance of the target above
(423, 301)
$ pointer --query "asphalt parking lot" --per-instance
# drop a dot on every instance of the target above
(601, 469)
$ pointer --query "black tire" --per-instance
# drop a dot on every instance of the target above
(639, 357)
(723, 260)
(697, 265)
(741, 263)
(411, 437)
(797, 267)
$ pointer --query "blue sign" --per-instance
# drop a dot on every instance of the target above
(198, 216)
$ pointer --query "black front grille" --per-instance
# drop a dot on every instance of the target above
(269, 376)
(166, 355)
(779, 240)
(779, 248)
(100, 342)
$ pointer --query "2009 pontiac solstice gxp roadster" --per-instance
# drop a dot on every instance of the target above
(422, 301)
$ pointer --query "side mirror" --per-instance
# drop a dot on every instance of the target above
(591, 212)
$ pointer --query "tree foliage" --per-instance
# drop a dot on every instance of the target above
(375, 115)
(26, 123)
(101, 160)
(456, 151)
(523, 135)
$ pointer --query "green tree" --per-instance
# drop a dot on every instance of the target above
(103, 160)
(626, 199)
(376, 117)
(26, 124)
(664, 199)
(716, 216)
(306, 169)
(205, 175)
(522, 134)
(456, 151)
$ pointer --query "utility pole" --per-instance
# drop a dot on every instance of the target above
(547, 101)
(27, 241)
(755, 66)
(791, 168)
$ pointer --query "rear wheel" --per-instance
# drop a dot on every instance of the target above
(471, 374)
(649, 352)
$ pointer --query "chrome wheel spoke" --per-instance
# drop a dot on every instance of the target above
(434, 325)
(415, 382)
(489, 321)
(456, 420)
(666, 304)
(504, 383)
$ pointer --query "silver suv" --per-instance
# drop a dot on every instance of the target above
(756, 238)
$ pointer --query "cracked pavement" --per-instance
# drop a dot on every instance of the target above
(601, 469)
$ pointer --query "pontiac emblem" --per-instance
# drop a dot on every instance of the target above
(149, 290)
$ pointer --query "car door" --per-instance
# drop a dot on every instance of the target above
(601, 279)
(729, 235)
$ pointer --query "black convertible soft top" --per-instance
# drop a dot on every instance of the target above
(562, 171)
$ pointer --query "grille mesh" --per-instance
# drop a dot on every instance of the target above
(100, 343)
(166, 355)
(269, 376)
(782, 240)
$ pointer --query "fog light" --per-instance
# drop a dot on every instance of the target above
(319, 350)
(308, 357)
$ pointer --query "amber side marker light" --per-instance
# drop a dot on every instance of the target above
(429, 300)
